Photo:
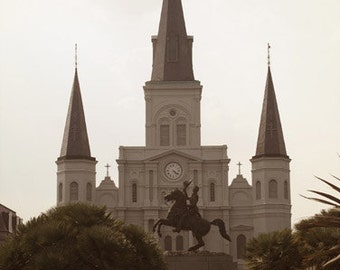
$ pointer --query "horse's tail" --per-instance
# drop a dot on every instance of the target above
(219, 222)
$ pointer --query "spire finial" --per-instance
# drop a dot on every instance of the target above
(76, 56)
(268, 54)
(107, 169)
(239, 168)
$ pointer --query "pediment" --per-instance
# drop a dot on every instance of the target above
(173, 152)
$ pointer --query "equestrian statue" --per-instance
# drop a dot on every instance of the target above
(185, 216)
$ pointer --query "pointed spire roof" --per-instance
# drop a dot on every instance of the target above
(270, 141)
(75, 143)
(172, 48)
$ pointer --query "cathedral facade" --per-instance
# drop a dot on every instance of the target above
(173, 153)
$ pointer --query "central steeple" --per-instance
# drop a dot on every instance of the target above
(172, 56)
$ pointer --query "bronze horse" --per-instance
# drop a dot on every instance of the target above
(199, 226)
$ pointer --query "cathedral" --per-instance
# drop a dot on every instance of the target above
(173, 153)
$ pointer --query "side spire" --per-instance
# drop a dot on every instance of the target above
(270, 141)
(172, 59)
(75, 143)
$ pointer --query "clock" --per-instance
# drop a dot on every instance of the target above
(173, 170)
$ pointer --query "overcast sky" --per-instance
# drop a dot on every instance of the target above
(37, 40)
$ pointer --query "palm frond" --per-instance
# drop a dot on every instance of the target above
(332, 261)
(328, 196)
(335, 177)
(330, 184)
(319, 200)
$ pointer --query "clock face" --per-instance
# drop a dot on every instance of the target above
(173, 171)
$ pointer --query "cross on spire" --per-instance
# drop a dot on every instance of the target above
(239, 168)
(107, 169)
(76, 56)
(268, 54)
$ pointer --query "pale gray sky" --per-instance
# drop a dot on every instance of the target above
(37, 40)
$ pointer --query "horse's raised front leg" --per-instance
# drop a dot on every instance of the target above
(159, 224)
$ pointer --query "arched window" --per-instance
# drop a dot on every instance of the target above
(134, 192)
(89, 192)
(181, 132)
(273, 189)
(241, 246)
(179, 243)
(286, 190)
(74, 191)
(258, 190)
(168, 243)
(60, 192)
(212, 192)
(164, 131)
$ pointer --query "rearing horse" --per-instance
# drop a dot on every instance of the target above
(199, 226)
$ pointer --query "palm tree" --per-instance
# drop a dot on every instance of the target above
(319, 243)
(326, 226)
(276, 250)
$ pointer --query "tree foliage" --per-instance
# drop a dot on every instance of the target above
(319, 240)
(275, 250)
(320, 234)
(77, 237)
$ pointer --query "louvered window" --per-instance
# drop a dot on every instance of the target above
(273, 189)
(134, 192)
(258, 190)
(164, 135)
(74, 191)
(212, 192)
(181, 135)
(89, 192)
(60, 191)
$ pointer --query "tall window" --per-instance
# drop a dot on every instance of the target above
(181, 135)
(168, 243)
(212, 192)
(273, 189)
(258, 190)
(164, 135)
(134, 192)
(179, 242)
(286, 190)
(241, 246)
(60, 191)
(89, 192)
(74, 191)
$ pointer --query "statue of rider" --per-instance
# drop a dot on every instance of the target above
(191, 208)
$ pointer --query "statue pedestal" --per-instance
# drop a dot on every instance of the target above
(199, 261)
